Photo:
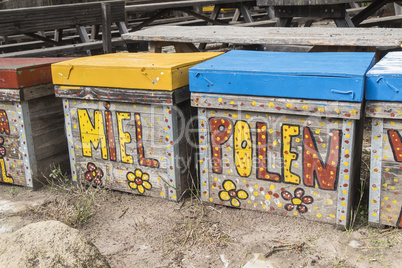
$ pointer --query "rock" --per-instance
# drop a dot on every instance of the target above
(356, 244)
(48, 244)
(259, 261)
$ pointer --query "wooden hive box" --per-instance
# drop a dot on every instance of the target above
(125, 118)
(384, 107)
(32, 139)
(278, 131)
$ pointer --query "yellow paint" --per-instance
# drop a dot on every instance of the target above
(288, 156)
(68, 87)
(94, 134)
(155, 71)
(124, 137)
(4, 176)
(243, 148)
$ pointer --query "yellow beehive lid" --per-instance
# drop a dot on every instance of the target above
(153, 71)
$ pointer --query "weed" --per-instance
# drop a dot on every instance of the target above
(71, 203)
(359, 213)
(15, 190)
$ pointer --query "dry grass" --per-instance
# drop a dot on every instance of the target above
(69, 202)
(194, 229)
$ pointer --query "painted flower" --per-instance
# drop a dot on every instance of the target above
(139, 180)
(94, 174)
(298, 200)
(2, 149)
(230, 194)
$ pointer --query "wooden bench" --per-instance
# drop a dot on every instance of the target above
(30, 21)
(286, 10)
(187, 6)
(310, 36)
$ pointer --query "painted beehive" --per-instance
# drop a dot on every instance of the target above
(32, 139)
(278, 131)
(384, 107)
(126, 116)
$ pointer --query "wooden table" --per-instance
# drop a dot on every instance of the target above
(328, 9)
(286, 10)
(357, 37)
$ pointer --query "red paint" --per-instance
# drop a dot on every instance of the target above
(399, 222)
(396, 144)
(313, 167)
(140, 146)
(25, 72)
(220, 134)
(110, 133)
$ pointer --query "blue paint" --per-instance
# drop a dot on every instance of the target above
(384, 80)
(323, 76)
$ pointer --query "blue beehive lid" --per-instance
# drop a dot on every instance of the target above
(323, 76)
(384, 80)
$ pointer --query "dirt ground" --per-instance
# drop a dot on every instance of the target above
(138, 231)
(149, 232)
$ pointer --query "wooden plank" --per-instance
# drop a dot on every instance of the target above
(34, 92)
(383, 21)
(10, 94)
(381, 109)
(44, 39)
(28, 45)
(244, 9)
(365, 13)
(116, 94)
(321, 11)
(83, 34)
(177, 4)
(52, 51)
(106, 28)
(273, 36)
(315, 108)
(29, 20)
(300, 2)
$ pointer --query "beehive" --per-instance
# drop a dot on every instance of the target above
(32, 139)
(384, 107)
(278, 131)
(126, 116)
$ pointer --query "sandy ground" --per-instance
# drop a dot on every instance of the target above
(150, 232)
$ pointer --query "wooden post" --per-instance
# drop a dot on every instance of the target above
(106, 28)
(398, 9)
(58, 35)
(95, 32)
(82, 31)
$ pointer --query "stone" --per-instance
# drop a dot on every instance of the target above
(49, 244)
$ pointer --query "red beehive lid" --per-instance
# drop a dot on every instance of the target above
(25, 72)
